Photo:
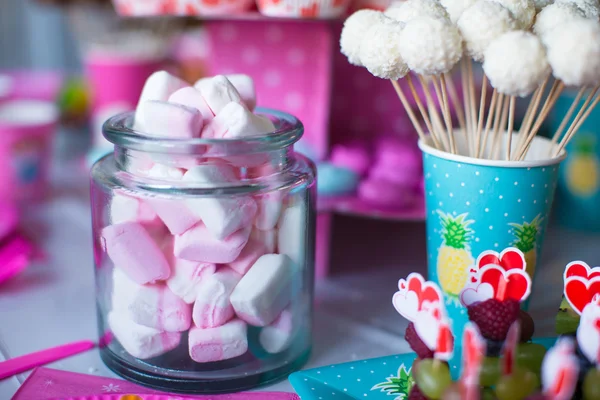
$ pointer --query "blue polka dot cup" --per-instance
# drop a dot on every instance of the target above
(474, 205)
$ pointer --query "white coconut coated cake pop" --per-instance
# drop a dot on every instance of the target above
(455, 8)
(411, 9)
(516, 63)
(354, 30)
(574, 52)
(553, 15)
(481, 23)
(430, 46)
(379, 51)
(540, 4)
(523, 11)
(590, 8)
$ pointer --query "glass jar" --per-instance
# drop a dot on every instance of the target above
(204, 257)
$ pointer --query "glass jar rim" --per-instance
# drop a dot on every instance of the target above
(119, 131)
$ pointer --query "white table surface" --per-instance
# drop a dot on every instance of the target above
(52, 302)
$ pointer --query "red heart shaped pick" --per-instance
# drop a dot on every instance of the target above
(425, 290)
(510, 258)
(579, 268)
(512, 285)
(579, 292)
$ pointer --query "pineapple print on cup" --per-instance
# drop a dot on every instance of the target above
(583, 167)
(454, 255)
(525, 240)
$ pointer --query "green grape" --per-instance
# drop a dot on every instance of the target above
(591, 385)
(567, 320)
(490, 371)
(432, 377)
(453, 392)
(531, 356)
(488, 394)
(518, 385)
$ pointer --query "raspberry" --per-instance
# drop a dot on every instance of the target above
(416, 394)
(415, 342)
(494, 317)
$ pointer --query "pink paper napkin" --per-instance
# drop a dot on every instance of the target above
(46, 384)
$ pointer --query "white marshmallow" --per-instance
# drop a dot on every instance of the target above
(244, 84)
(124, 208)
(161, 171)
(154, 306)
(162, 119)
(159, 86)
(264, 291)
(269, 210)
(268, 238)
(218, 92)
(186, 277)
(191, 97)
(291, 235)
(278, 336)
(140, 341)
(234, 121)
(213, 307)
(221, 215)
(220, 343)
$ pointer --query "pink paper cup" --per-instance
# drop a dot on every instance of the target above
(27, 128)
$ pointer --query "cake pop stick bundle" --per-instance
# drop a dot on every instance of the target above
(525, 48)
(508, 366)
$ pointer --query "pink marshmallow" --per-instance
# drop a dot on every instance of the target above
(245, 87)
(132, 249)
(186, 277)
(198, 244)
(221, 215)
(218, 92)
(162, 119)
(212, 307)
(253, 250)
(124, 208)
(269, 209)
(353, 157)
(268, 238)
(278, 336)
(154, 306)
(191, 97)
(265, 290)
(175, 215)
(235, 121)
(159, 86)
(220, 343)
(141, 341)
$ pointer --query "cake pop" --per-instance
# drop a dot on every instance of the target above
(430, 46)
(554, 15)
(411, 9)
(379, 51)
(574, 52)
(541, 4)
(354, 30)
(481, 23)
(516, 63)
(523, 11)
(590, 8)
(455, 8)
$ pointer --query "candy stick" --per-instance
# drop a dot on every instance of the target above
(411, 114)
(511, 121)
(560, 370)
(567, 118)
(473, 354)
(574, 129)
(510, 347)
(488, 124)
(484, 84)
(460, 112)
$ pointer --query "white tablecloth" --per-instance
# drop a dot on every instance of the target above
(52, 303)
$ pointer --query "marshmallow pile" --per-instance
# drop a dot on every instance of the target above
(208, 265)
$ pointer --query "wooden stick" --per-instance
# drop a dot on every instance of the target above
(424, 114)
(488, 124)
(567, 118)
(555, 92)
(448, 114)
(497, 117)
(472, 102)
(445, 112)
(466, 95)
(409, 111)
(484, 84)
(534, 103)
(433, 112)
(460, 112)
(511, 122)
(579, 120)
(498, 138)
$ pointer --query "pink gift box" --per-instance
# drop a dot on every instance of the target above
(47, 384)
